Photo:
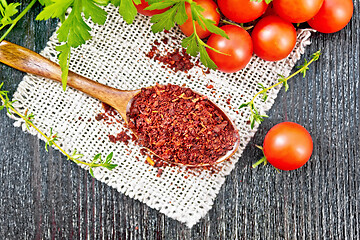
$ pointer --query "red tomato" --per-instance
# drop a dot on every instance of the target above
(273, 38)
(140, 8)
(239, 47)
(288, 146)
(210, 12)
(297, 11)
(333, 16)
(242, 11)
(270, 11)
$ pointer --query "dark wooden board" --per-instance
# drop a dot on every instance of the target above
(42, 195)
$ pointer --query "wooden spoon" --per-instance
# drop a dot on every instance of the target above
(28, 61)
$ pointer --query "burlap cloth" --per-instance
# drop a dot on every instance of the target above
(116, 57)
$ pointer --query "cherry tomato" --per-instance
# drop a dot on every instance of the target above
(273, 38)
(210, 12)
(270, 11)
(242, 11)
(333, 16)
(140, 8)
(288, 146)
(297, 11)
(239, 47)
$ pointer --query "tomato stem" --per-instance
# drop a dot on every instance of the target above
(262, 160)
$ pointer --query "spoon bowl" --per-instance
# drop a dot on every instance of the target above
(28, 61)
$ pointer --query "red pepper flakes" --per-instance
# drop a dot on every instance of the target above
(143, 151)
(165, 40)
(120, 137)
(159, 172)
(177, 60)
(99, 116)
(180, 126)
(210, 86)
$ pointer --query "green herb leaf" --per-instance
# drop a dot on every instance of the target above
(76, 156)
(128, 10)
(244, 105)
(166, 20)
(205, 59)
(91, 172)
(45, 2)
(109, 157)
(191, 45)
(50, 139)
(55, 10)
(97, 14)
(7, 11)
(64, 60)
(303, 68)
(266, 1)
(161, 5)
(196, 12)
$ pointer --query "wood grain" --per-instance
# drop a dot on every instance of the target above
(44, 196)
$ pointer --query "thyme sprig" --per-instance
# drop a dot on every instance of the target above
(255, 116)
(52, 138)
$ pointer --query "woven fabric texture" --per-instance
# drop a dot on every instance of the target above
(115, 56)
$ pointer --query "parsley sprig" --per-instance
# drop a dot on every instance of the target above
(52, 138)
(177, 14)
(74, 31)
(255, 116)
(8, 11)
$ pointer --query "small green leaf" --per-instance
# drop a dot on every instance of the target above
(181, 16)
(55, 10)
(286, 85)
(191, 45)
(127, 10)
(97, 156)
(303, 68)
(165, 20)
(64, 60)
(97, 14)
(205, 59)
(161, 5)
(109, 157)
(244, 105)
(91, 172)
(110, 166)
(316, 55)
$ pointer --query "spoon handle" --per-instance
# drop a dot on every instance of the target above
(28, 61)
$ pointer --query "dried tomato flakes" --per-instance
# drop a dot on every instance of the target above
(180, 126)
(120, 137)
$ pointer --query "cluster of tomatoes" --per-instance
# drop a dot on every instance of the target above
(274, 35)
(287, 146)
